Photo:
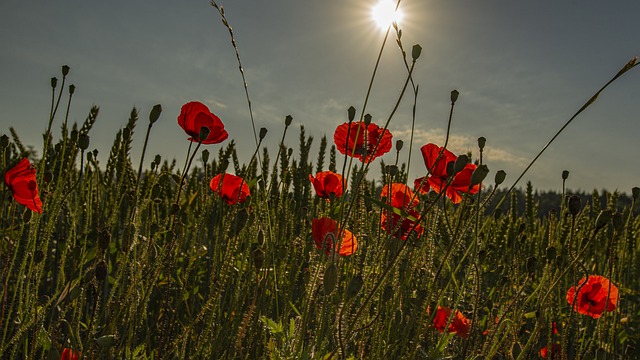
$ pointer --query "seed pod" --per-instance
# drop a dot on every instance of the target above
(617, 221)
(288, 120)
(4, 141)
(154, 115)
(602, 219)
(460, 163)
(204, 133)
(481, 142)
(101, 270)
(574, 204)
(500, 176)
(330, 278)
(263, 133)
(54, 82)
(399, 145)
(416, 50)
(454, 96)
(205, 156)
(83, 141)
(354, 286)
(479, 174)
(257, 255)
(72, 89)
(351, 113)
(367, 120)
(65, 70)
(565, 174)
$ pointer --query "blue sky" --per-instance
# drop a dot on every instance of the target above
(522, 69)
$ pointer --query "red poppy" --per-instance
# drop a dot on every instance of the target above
(326, 183)
(325, 231)
(233, 189)
(21, 180)
(459, 325)
(556, 352)
(68, 354)
(195, 115)
(362, 140)
(400, 196)
(438, 176)
(592, 297)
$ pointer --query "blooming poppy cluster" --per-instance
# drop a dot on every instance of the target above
(594, 295)
(400, 197)
(69, 354)
(194, 116)
(362, 141)
(231, 188)
(439, 163)
(21, 180)
(555, 352)
(327, 183)
(459, 325)
(329, 237)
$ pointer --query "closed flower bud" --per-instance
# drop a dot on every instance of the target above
(460, 163)
(602, 219)
(72, 89)
(154, 115)
(500, 176)
(416, 51)
(204, 133)
(478, 175)
(481, 142)
(565, 174)
(83, 142)
(354, 286)
(65, 70)
(54, 82)
(205, 156)
(352, 113)
(4, 141)
(574, 204)
(288, 120)
(258, 256)
(454, 96)
(263, 133)
(330, 278)
(399, 145)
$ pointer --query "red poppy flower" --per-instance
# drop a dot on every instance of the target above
(325, 231)
(460, 325)
(68, 354)
(326, 183)
(400, 196)
(592, 297)
(556, 352)
(233, 189)
(438, 177)
(195, 115)
(21, 180)
(362, 140)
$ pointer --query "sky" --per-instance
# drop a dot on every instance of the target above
(522, 68)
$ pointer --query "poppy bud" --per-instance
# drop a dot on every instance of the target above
(635, 192)
(258, 256)
(83, 142)
(352, 113)
(4, 141)
(367, 120)
(602, 219)
(330, 278)
(565, 174)
(481, 142)
(54, 82)
(450, 167)
(574, 203)
(204, 133)
(205, 156)
(101, 270)
(460, 163)
(416, 51)
(478, 175)
(288, 120)
(399, 145)
(65, 70)
(157, 159)
(263, 133)
(454, 96)
(72, 89)
(95, 153)
(354, 286)
(500, 176)
(617, 221)
(154, 115)
(391, 170)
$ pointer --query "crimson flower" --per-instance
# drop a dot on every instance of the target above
(196, 115)
(362, 140)
(326, 183)
(459, 325)
(555, 353)
(325, 232)
(21, 180)
(400, 196)
(595, 295)
(438, 177)
(233, 189)
(68, 354)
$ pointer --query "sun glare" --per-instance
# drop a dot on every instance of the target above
(384, 13)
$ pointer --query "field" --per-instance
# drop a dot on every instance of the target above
(294, 255)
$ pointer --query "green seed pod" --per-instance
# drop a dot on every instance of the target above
(574, 204)
(481, 142)
(565, 174)
(175, 208)
(65, 70)
(500, 176)
(83, 141)
(54, 82)
(204, 133)
(602, 219)
(635, 191)
(391, 170)
(399, 145)
(154, 115)
(367, 120)
(454, 96)
(4, 141)
(257, 255)
(416, 50)
(263, 133)
(330, 278)
(106, 341)
(72, 89)
(351, 113)
(354, 286)
(288, 120)
(479, 174)
(460, 163)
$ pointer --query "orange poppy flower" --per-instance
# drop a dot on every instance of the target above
(400, 196)
(438, 177)
(325, 231)
(460, 325)
(555, 353)
(68, 354)
(326, 183)
(232, 189)
(21, 180)
(592, 299)
(362, 141)
(196, 115)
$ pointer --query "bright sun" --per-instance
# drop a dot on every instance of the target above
(384, 13)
